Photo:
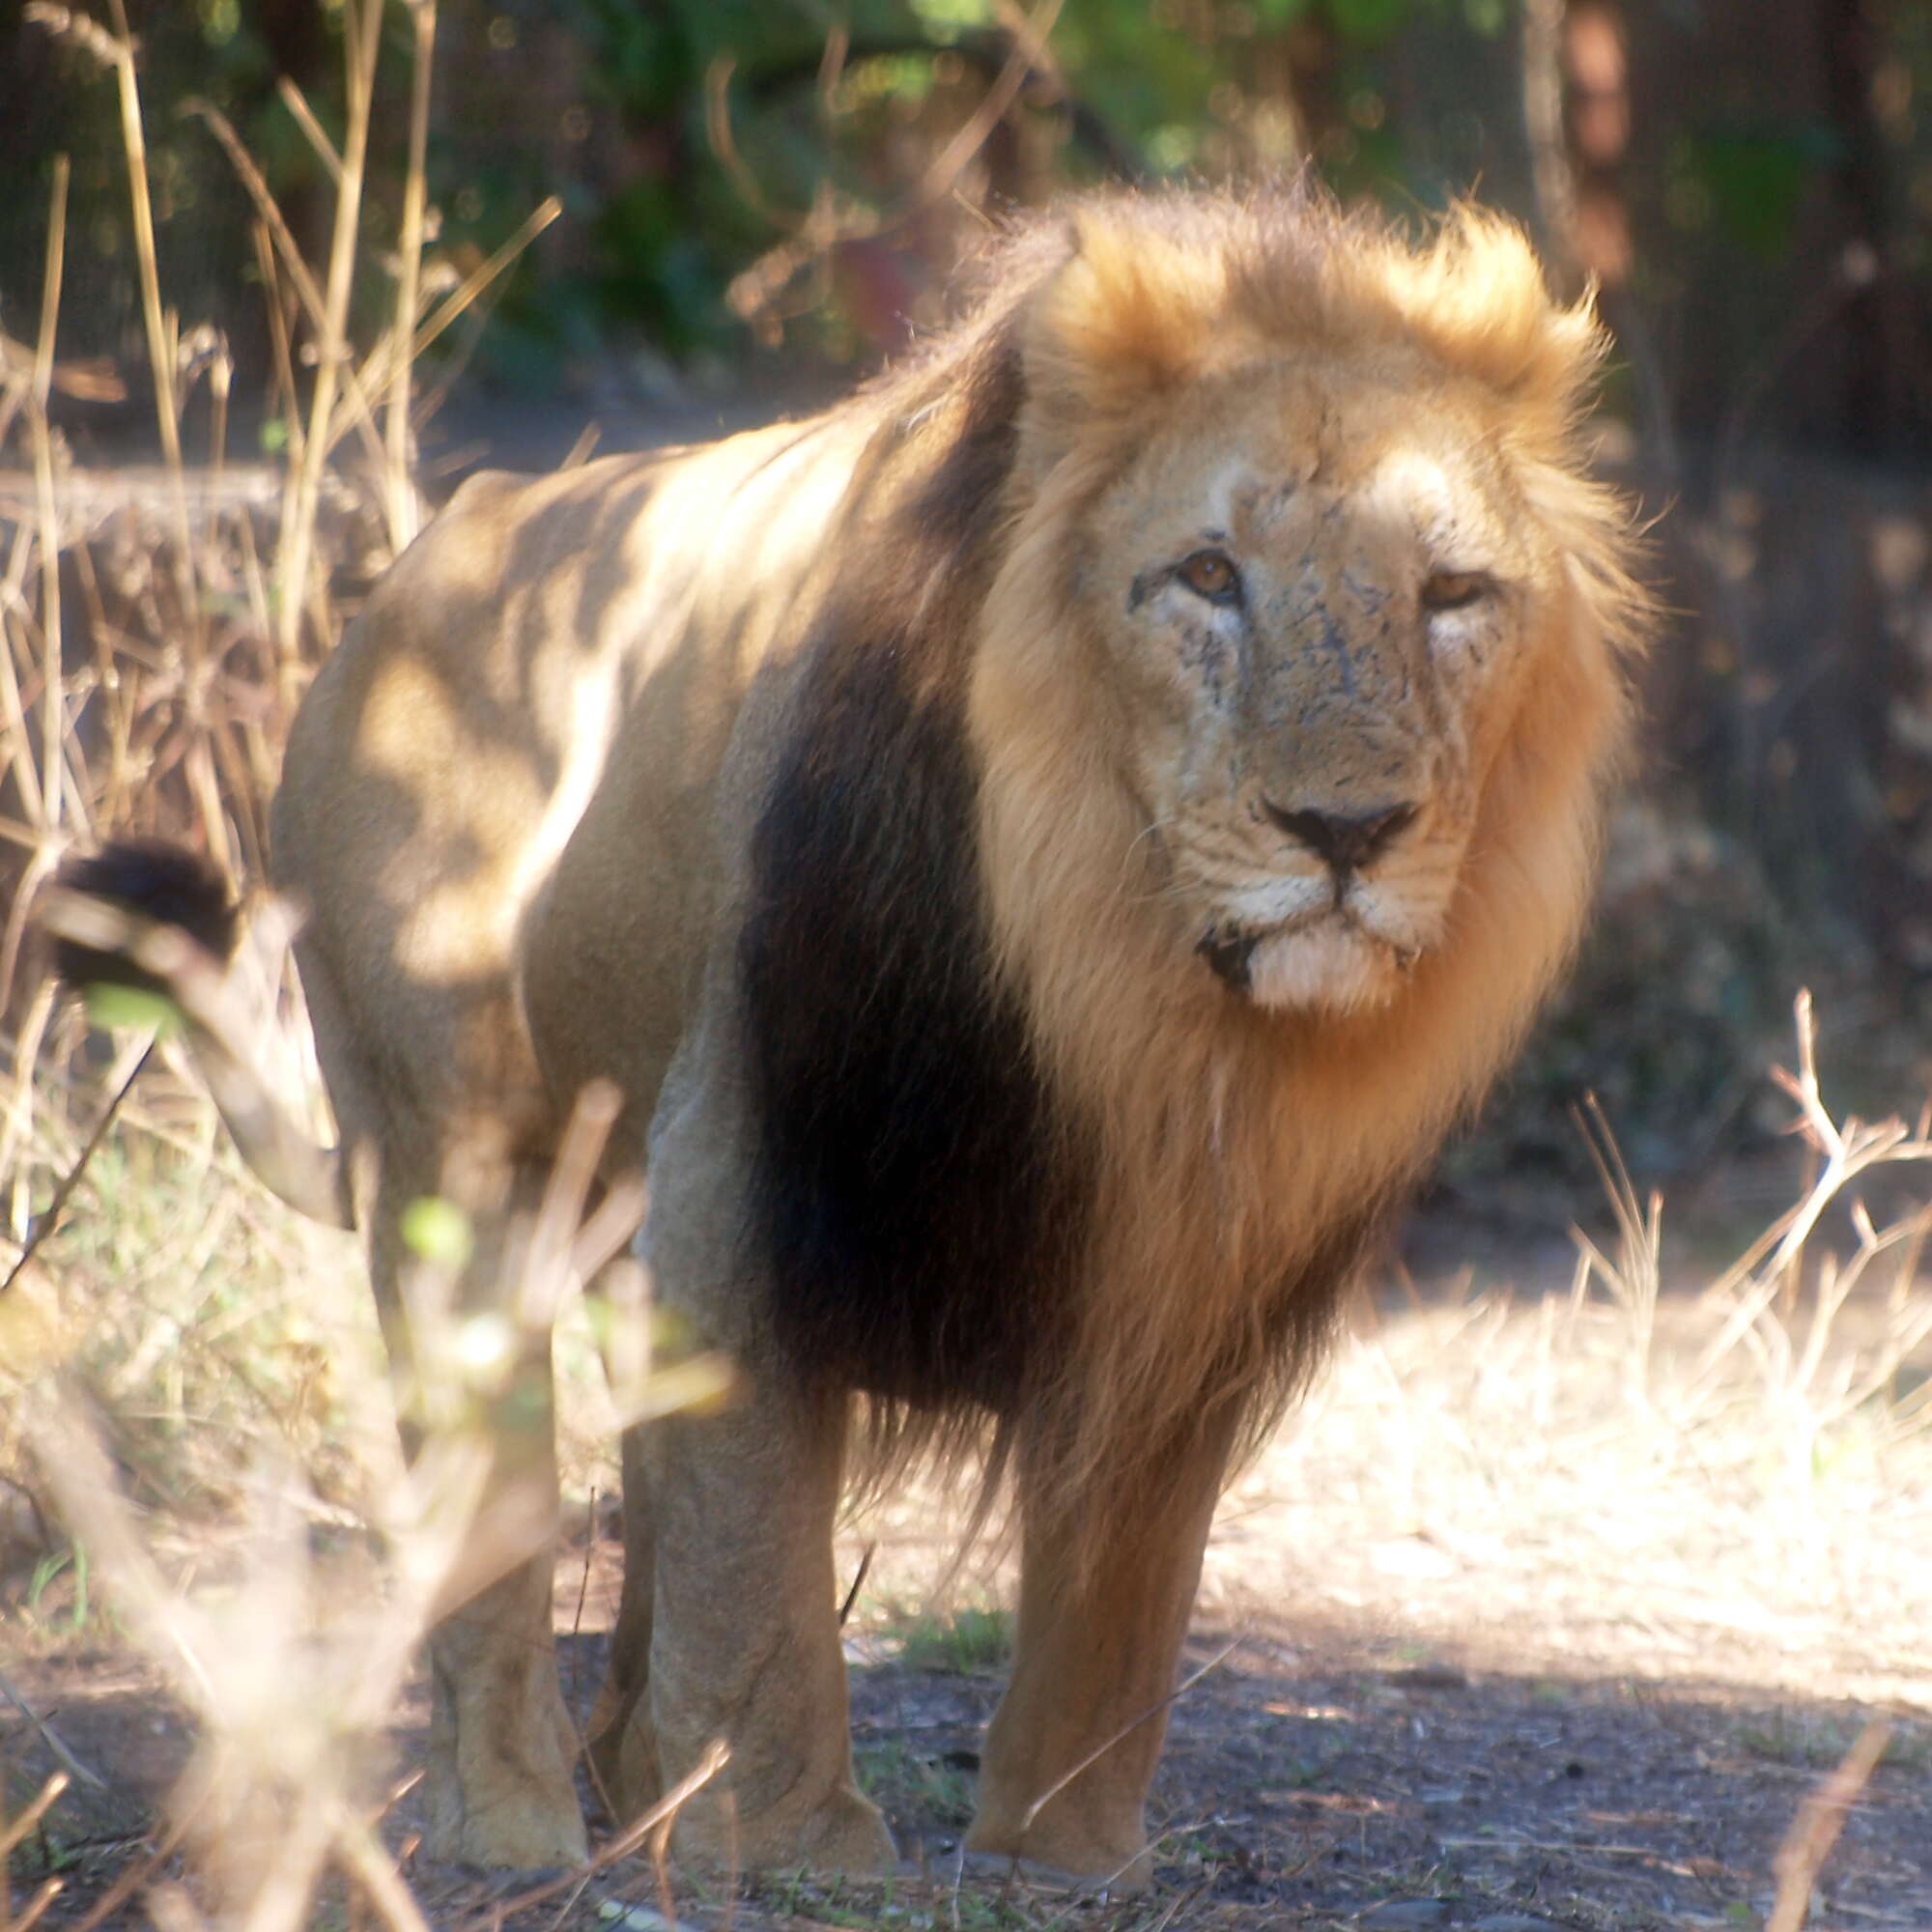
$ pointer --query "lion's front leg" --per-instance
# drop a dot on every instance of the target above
(745, 1648)
(744, 1625)
(1105, 1593)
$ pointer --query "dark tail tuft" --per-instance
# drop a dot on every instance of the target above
(153, 880)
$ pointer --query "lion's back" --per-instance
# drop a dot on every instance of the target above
(555, 660)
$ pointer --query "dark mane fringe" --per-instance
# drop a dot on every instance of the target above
(915, 1202)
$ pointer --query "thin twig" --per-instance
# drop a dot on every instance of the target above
(53, 688)
(376, 1871)
(160, 352)
(1816, 1827)
(398, 483)
(50, 1737)
(11, 1835)
(858, 1584)
(937, 180)
(297, 103)
(30, 1915)
(1127, 1729)
(46, 1223)
(361, 40)
(621, 1846)
(571, 1701)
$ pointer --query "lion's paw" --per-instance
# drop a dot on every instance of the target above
(1110, 1876)
(520, 1830)
(845, 1832)
(849, 1834)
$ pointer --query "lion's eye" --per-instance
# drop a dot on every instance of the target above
(1456, 590)
(1210, 575)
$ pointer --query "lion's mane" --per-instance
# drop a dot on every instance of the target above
(1018, 1151)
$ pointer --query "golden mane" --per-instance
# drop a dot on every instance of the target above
(1245, 1154)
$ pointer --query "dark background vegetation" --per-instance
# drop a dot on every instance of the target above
(1549, 1602)
(763, 198)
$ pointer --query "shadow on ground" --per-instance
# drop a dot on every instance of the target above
(1335, 1781)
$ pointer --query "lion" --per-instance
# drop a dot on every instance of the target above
(1045, 850)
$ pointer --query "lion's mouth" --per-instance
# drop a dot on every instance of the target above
(1229, 951)
(1228, 955)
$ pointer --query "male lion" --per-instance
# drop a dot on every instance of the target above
(1045, 849)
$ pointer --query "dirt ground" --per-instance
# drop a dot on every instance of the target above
(1518, 1624)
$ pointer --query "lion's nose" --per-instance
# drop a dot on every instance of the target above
(1346, 841)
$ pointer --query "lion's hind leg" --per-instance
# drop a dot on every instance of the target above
(503, 1749)
(621, 1745)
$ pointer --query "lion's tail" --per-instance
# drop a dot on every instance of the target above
(155, 918)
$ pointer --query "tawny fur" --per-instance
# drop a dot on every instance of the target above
(536, 807)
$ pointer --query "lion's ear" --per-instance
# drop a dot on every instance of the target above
(1123, 318)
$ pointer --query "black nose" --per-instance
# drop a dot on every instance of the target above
(1347, 841)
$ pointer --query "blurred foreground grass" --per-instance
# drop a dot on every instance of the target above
(198, 1457)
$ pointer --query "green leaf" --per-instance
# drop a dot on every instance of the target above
(109, 1006)
(437, 1231)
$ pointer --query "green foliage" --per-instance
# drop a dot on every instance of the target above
(74, 1563)
(909, 1783)
(1751, 183)
(1369, 20)
(970, 1640)
(438, 1232)
(1158, 93)
(109, 1006)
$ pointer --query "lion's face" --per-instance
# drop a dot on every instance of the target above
(1314, 588)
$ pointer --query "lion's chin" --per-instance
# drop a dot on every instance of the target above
(1331, 967)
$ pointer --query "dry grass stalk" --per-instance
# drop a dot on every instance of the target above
(53, 710)
(1816, 1827)
(1126, 1730)
(1635, 1277)
(141, 732)
(170, 723)
(1813, 1382)
(363, 25)
(651, 1830)
(134, 142)
(1772, 1271)
(402, 501)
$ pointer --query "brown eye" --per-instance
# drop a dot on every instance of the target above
(1210, 575)
(1456, 590)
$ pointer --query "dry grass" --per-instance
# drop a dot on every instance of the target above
(1724, 1480)
(190, 1392)
(1732, 1479)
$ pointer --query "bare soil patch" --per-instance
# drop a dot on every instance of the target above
(1527, 1620)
